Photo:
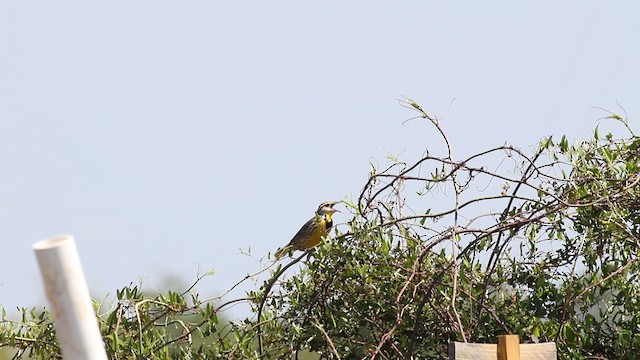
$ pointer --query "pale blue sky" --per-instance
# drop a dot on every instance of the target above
(167, 135)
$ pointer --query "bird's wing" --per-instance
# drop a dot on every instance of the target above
(300, 237)
(304, 233)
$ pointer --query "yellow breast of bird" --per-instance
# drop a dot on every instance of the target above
(316, 237)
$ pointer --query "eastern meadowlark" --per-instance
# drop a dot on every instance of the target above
(313, 231)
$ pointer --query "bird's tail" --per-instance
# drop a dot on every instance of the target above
(282, 252)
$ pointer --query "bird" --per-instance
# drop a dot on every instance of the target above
(313, 231)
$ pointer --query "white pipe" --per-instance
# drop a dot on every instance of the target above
(64, 283)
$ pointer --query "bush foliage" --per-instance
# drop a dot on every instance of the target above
(541, 243)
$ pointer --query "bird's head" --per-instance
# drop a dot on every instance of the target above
(326, 208)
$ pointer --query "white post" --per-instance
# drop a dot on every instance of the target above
(64, 283)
